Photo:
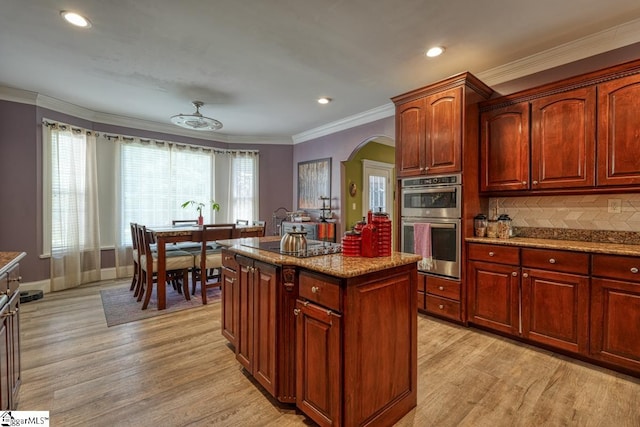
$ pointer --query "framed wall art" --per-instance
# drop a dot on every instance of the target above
(314, 181)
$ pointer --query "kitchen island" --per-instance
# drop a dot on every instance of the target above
(335, 335)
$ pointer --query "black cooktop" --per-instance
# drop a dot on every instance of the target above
(314, 248)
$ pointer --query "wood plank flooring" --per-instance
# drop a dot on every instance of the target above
(178, 370)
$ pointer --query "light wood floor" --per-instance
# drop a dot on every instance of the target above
(177, 370)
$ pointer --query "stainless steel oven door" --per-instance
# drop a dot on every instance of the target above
(445, 243)
(431, 202)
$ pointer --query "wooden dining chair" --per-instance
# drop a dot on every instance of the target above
(242, 222)
(179, 222)
(259, 223)
(136, 257)
(208, 262)
(178, 265)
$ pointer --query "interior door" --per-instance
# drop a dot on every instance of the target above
(377, 189)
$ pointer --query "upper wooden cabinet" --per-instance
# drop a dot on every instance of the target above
(548, 143)
(574, 135)
(431, 125)
(504, 148)
(619, 132)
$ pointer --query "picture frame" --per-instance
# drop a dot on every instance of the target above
(314, 181)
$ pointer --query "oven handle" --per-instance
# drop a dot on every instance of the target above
(422, 189)
(433, 224)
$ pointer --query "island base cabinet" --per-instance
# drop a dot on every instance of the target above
(318, 361)
(230, 299)
(615, 316)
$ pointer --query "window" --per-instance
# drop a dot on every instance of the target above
(243, 187)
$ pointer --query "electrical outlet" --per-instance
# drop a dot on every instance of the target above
(614, 206)
(353, 206)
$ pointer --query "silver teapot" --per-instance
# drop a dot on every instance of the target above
(294, 242)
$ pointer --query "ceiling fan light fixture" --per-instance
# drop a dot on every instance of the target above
(196, 121)
(435, 51)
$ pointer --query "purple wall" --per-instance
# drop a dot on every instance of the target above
(21, 179)
(339, 147)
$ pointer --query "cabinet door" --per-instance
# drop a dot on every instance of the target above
(563, 140)
(230, 305)
(615, 316)
(5, 380)
(504, 148)
(13, 333)
(244, 349)
(264, 325)
(619, 131)
(443, 128)
(318, 364)
(410, 137)
(555, 309)
(494, 296)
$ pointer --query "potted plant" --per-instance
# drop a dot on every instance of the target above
(199, 206)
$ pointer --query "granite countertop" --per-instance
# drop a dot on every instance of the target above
(8, 260)
(569, 245)
(335, 265)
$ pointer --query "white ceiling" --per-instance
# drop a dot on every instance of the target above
(260, 65)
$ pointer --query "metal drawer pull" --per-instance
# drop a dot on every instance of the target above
(514, 274)
(227, 258)
(441, 307)
(17, 279)
(552, 261)
(525, 275)
(535, 182)
(491, 253)
(296, 311)
(634, 270)
(315, 289)
(441, 288)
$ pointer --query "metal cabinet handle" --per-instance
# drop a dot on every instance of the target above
(491, 253)
(525, 275)
(634, 270)
(441, 288)
(552, 261)
(296, 311)
(315, 289)
(535, 182)
(524, 182)
(227, 258)
(441, 307)
(16, 279)
(514, 274)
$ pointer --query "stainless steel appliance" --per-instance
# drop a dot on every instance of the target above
(435, 201)
(313, 248)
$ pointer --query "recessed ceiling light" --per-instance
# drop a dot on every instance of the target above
(435, 51)
(324, 100)
(75, 19)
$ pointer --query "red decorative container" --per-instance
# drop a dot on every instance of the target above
(351, 244)
(383, 224)
(358, 227)
(369, 241)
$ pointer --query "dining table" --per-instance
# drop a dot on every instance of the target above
(166, 235)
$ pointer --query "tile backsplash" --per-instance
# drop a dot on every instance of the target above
(590, 212)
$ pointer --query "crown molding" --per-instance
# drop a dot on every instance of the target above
(369, 116)
(594, 44)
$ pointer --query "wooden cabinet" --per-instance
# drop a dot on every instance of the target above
(619, 132)
(443, 297)
(563, 136)
(230, 298)
(494, 287)
(504, 148)
(430, 126)
(422, 291)
(543, 298)
(558, 141)
(555, 298)
(10, 366)
(357, 347)
(615, 310)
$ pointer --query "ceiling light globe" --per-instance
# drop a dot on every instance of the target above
(435, 51)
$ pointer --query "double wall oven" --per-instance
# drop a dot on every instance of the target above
(431, 206)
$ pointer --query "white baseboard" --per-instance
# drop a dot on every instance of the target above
(45, 285)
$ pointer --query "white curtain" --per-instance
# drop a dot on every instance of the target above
(74, 227)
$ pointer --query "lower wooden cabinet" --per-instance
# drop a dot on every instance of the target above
(230, 298)
(615, 310)
(443, 297)
(10, 365)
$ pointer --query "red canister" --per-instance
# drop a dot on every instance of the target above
(369, 241)
(351, 244)
(383, 224)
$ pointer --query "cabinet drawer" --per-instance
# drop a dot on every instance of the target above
(494, 253)
(564, 261)
(443, 288)
(616, 267)
(443, 307)
(320, 290)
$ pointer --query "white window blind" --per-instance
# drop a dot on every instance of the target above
(244, 187)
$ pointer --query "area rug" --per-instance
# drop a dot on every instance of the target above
(120, 306)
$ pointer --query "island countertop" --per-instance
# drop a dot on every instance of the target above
(9, 259)
(335, 265)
